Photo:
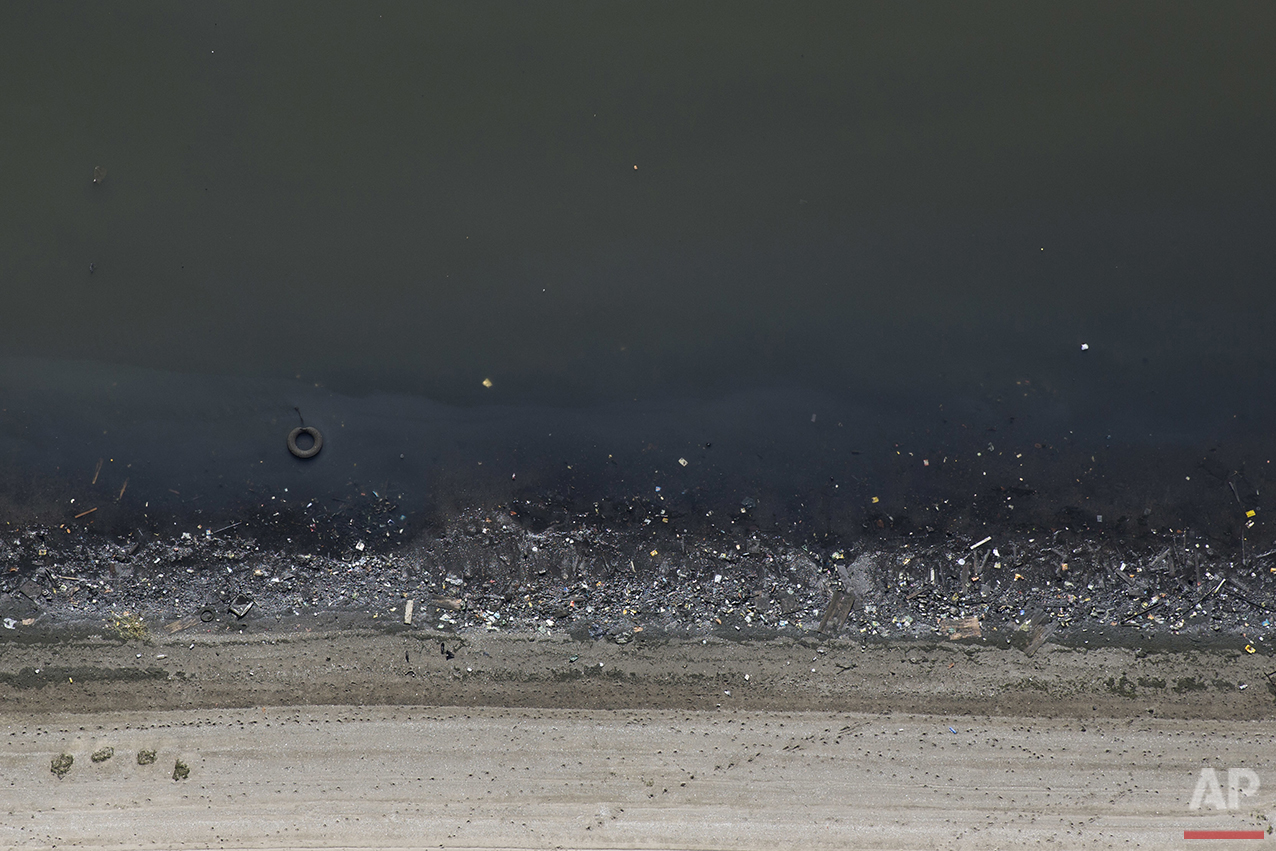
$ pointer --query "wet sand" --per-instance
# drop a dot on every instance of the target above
(310, 665)
(367, 738)
(346, 777)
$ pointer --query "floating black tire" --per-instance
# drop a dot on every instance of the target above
(297, 450)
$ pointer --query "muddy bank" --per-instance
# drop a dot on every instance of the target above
(634, 568)
(307, 661)
(516, 607)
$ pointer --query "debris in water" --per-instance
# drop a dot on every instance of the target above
(1038, 636)
(957, 628)
(179, 625)
(240, 607)
(835, 615)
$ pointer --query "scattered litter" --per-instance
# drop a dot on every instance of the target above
(1038, 636)
(61, 765)
(10, 623)
(240, 607)
(1156, 604)
(976, 546)
(99, 174)
(951, 730)
(959, 628)
(179, 625)
(129, 627)
(835, 614)
(407, 611)
(1249, 648)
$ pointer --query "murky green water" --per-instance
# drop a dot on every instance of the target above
(1060, 215)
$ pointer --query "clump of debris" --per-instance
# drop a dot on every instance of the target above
(523, 568)
(61, 765)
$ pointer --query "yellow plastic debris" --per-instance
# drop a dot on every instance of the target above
(875, 500)
(487, 382)
(1250, 513)
(1249, 648)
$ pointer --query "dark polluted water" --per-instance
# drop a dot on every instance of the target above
(808, 280)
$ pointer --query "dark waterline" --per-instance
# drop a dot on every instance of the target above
(651, 228)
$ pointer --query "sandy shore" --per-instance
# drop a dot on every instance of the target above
(366, 738)
(381, 777)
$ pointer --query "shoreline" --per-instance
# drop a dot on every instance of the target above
(359, 666)
(1025, 623)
